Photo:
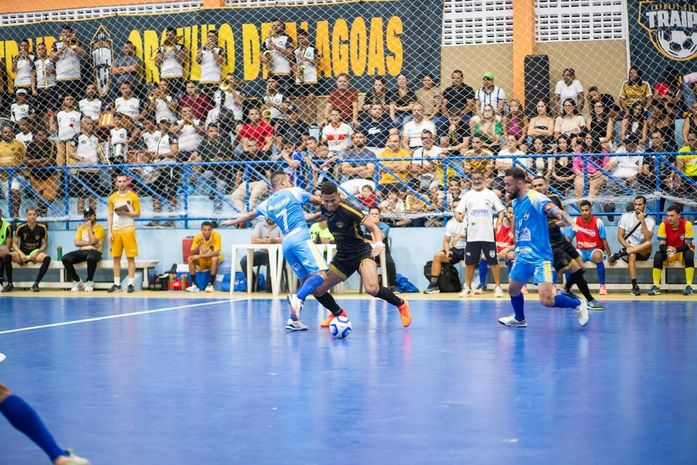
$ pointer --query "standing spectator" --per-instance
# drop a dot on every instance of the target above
(635, 122)
(402, 102)
(171, 58)
(569, 122)
(162, 103)
(600, 124)
(84, 151)
(591, 241)
(595, 96)
(344, 99)
(89, 239)
(336, 134)
(293, 130)
(91, 105)
(635, 90)
(281, 47)
(376, 128)
(255, 185)
(199, 103)
(214, 149)
(414, 128)
(515, 123)
(123, 209)
(29, 246)
(41, 153)
(453, 252)
(674, 244)
(307, 59)
(488, 128)
(399, 168)
(163, 180)
(258, 130)
(189, 131)
(23, 67)
(66, 54)
(690, 121)
(126, 69)
(21, 108)
(358, 170)
(634, 234)
(275, 101)
(24, 134)
(542, 124)
(211, 58)
(44, 82)
(229, 100)
(205, 255)
(484, 165)
(120, 140)
(67, 125)
(458, 100)
(568, 88)
(489, 94)
(377, 95)
(430, 97)
(12, 154)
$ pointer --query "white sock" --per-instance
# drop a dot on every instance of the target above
(117, 281)
(130, 281)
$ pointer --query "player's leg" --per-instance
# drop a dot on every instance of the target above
(45, 261)
(520, 273)
(597, 257)
(116, 252)
(308, 262)
(483, 271)
(658, 260)
(577, 277)
(25, 419)
(636, 252)
(689, 261)
(131, 249)
(215, 261)
(371, 283)
(7, 267)
(544, 278)
(492, 260)
(322, 295)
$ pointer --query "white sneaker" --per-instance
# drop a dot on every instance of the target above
(511, 321)
(466, 292)
(582, 312)
(296, 325)
(498, 292)
(296, 305)
(76, 460)
(89, 286)
(210, 288)
(77, 286)
(193, 288)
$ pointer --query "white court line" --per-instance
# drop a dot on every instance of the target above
(120, 315)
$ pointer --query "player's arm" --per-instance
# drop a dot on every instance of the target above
(315, 199)
(562, 217)
(312, 217)
(242, 219)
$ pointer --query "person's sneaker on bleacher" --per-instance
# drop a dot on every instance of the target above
(77, 286)
(193, 288)
(636, 290)
(655, 290)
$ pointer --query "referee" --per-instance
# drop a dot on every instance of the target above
(29, 246)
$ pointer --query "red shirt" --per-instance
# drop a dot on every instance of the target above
(504, 237)
(343, 101)
(589, 241)
(200, 105)
(259, 132)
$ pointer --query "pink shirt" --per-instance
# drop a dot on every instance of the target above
(601, 160)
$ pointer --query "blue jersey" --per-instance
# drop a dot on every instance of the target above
(531, 229)
(285, 208)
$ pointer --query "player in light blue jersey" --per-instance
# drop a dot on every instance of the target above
(534, 252)
(285, 208)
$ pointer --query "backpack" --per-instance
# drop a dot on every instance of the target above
(404, 285)
(449, 279)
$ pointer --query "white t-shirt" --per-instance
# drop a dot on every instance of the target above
(490, 98)
(25, 138)
(338, 139)
(626, 166)
(276, 100)
(310, 71)
(571, 91)
(68, 64)
(171, 67)
(151, 139)
(227, 100)
(422, 156)
(507, 154)
(91, 108)
(86, 149)
(68, 124)
(129, 107)
(17, 112)
(279, 62)
(162, 111)
(210, 68)
(413, 130)
(479, 208)
(629, 220)
(25, 65)
(189, 137)
(454, 228)
(45, 73)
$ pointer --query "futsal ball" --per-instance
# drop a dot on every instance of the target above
(340, 327)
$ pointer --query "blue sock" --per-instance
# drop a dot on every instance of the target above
(25, 419)
(483, 269)
(518, 307)
(309, 285)
(601, 272)
(567, 276)
(565, 301)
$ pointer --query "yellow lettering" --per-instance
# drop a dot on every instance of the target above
(323, 48)
(2, 55)
(150, 45)
(192, 45)
(11, 51)
(340, 48)
(394, 44)
(359, 46)
(226, 41)
(251, 50)
(376, 50)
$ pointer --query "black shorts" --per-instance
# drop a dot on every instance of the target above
(475, 249)
(344, 265)
(457, 255)
(639, 258)
(564, 253)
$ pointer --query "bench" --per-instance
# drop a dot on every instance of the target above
(143, 264)
(648, 264)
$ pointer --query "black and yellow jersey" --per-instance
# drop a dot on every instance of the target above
(345, 225)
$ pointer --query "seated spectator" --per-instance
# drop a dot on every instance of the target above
(635, 90)
(336, 134)
(569, 122)
(41, 153)
(488, 128)
(264, 232)
(120, 139)
(368, 197)
(258, 130)
(627, 168)
(593, 156)
(568, 88)
(229, 103)
(456, 138)
(89, 239)
(507, 155)
(189, 131)
(91, 105)
(374, 215)
(295, 164)
(634, 234)
(292, 130)
(344, 99)
(560, 172)
(674, 244)
(398, 169)
(635, 122)
(12, 154)
(401, 102)
(485, 165)
(540, 165)
(592, 245)
(392, 204)
(489, 94)
(453, 252)
(414, 128)
(662, 119)
(376, 129)
(224, 177)
(320, 234)
(458, 101)
(600, 124)
(427, 166)
(29, 243)
(595, 96)
(414, 203)
(430, 97)
(505, 238)
(199, 103)
(515, 123)
(24, 132)
(161, 102)
(253, 187)
(377, 95)
(359, 171)
(205, 255)
(542, 124)
(126, 104)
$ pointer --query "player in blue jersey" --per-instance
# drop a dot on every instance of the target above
(534, 251)
(285, 208)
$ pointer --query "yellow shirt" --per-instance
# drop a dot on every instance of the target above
(201, 246)
(123, 222)
(386, 154)
(82, 235)
(689, 161)
(481, 164)
(634, 93)
(12, 153)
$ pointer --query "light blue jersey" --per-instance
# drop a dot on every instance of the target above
(285, 208)
(533, 249)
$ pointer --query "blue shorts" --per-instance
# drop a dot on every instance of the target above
(540, 270)
(304, 258)
(586, 255)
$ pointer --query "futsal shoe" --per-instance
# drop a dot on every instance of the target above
(295, 325)
(296, 305)
(7, 288)
(595, 306)
(405, 312)
(330, 317)
(687, 290)
(511, 321)
(581, 312)
(35, 287)
(603, 289)
(655, 290)
(73, 459)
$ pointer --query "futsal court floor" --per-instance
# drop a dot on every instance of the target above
(195, 380)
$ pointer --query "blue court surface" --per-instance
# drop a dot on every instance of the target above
(192, 381)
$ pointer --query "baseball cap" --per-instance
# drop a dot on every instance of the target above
(89, 211)
(21, 91)
(488, 75)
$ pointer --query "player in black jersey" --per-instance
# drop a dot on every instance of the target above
(353, 253)
(29, 246)
(566, 257)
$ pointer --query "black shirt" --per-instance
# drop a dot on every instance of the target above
(31, 239)
(555, 235)
(41, 150)
(345, 225)
(458, 97)
(292, 133)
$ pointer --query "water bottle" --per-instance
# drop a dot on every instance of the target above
(185, 281)
(59, 252)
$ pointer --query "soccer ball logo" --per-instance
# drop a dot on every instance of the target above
(678, 44)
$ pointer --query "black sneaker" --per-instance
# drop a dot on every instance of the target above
(130, 288)
(7, 287)
(114, 288)
(655, 290)
(432, 289)
(35, 287)
(636, 290)
(614, 257)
